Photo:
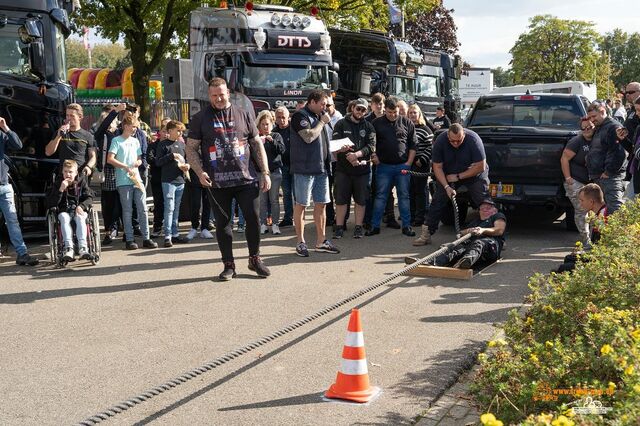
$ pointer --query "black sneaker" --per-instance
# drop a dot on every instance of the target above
(393, 223)
(149, 244)
(257, 265)
(338, 232)
(285, 222)
(327, 247)
(228, 272)
(168, 243)
(408, 231)
(181, 239)
(372, 231)
(302, 250)
(358, 232)
(464, 263)
(26, 259)
(137, 232)
(131, 245)
(107, 240)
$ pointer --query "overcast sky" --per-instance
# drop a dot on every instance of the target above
(489, 29)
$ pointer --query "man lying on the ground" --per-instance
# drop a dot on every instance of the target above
(485, 244)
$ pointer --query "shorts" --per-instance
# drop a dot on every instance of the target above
(345, 186)
(311, 187)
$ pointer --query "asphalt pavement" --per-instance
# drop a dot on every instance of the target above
(79, 340)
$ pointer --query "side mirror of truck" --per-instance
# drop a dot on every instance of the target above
(36, 59)
(334, 80)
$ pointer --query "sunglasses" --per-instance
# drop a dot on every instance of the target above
(586, 129)
(361, 109)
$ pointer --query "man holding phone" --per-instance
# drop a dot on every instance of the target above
(72, 142)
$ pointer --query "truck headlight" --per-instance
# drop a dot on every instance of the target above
(306, 21)
(275, 20)
(296, 21)
(286, 20)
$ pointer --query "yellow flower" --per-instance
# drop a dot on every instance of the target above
(562, 421)
(534, 358)
(569, 413)
(544, 418)
(606, 349)
(529, 321)
(636, 388)
(636, 334)
(611, 386)
(548, 344)
(486, 418)
(492, 343)
(482, 357)
(629, 370)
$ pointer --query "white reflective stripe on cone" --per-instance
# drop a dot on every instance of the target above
(354, 367)
(354, 339)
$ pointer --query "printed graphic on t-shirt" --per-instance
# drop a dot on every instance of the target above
(227, 155)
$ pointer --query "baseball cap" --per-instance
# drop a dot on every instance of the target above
(361, 102)
(488, 201)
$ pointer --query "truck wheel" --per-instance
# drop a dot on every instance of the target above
(569, 219)
(463, 207)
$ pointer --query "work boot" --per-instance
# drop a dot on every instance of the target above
(393, 223)
(229, 271)
(257, 265)
(424, 238)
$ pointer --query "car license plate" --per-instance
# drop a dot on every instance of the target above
(507, 189)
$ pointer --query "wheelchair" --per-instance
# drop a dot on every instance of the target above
(56, 243)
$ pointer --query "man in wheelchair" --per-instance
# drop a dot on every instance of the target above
(72, 198)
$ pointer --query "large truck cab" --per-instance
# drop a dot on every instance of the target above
(370, 62)
(33, 93)
(438, 84)
(269, 55)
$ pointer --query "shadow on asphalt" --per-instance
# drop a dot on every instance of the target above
(289, 401)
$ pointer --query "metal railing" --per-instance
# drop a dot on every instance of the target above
(175, 110)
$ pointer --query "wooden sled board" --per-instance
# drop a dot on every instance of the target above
(444, 271)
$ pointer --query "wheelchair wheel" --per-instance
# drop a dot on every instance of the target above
(53, 238)
(95, 245)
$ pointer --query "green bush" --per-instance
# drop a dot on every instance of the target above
(580, 337)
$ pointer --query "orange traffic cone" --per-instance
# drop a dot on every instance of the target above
(352, 382)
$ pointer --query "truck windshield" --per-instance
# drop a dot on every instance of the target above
(14, 58)
(403, 88)
(537, 112)
(428, 86)
(276, 77)
(61, 66)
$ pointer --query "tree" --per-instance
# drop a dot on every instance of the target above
(432, 29)
(502, 77)
(624, 51)
(553, 50)
(153, 30)
(104, 55)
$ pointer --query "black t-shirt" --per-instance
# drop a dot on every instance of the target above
(224, 136)
(578, 164)
(442, 122)
(458, 160)
(490, 223)
(76, 145)
(169, 169)
(286, 139)
(394, 139)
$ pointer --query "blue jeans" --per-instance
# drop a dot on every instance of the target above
(67, 230)
(128, 196)
(287, 193)
(8, 208)
(172, 194)
(386, 176)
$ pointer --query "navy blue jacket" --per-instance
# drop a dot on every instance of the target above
(7, 140)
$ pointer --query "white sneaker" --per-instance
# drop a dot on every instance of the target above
(275, 229)
(68, 254)
(84, 253)
(205, 233)
(264, 229)
(192, 234)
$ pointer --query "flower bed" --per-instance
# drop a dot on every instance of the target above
(577, 350)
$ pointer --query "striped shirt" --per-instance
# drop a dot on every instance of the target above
(424, 137)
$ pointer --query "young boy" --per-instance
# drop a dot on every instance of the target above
(591, 199)
(72, 196)
(125, 155)
(170, 155)
(156, 177)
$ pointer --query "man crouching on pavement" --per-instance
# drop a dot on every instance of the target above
(485, 244)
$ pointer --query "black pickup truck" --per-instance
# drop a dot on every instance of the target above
(523, 136)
